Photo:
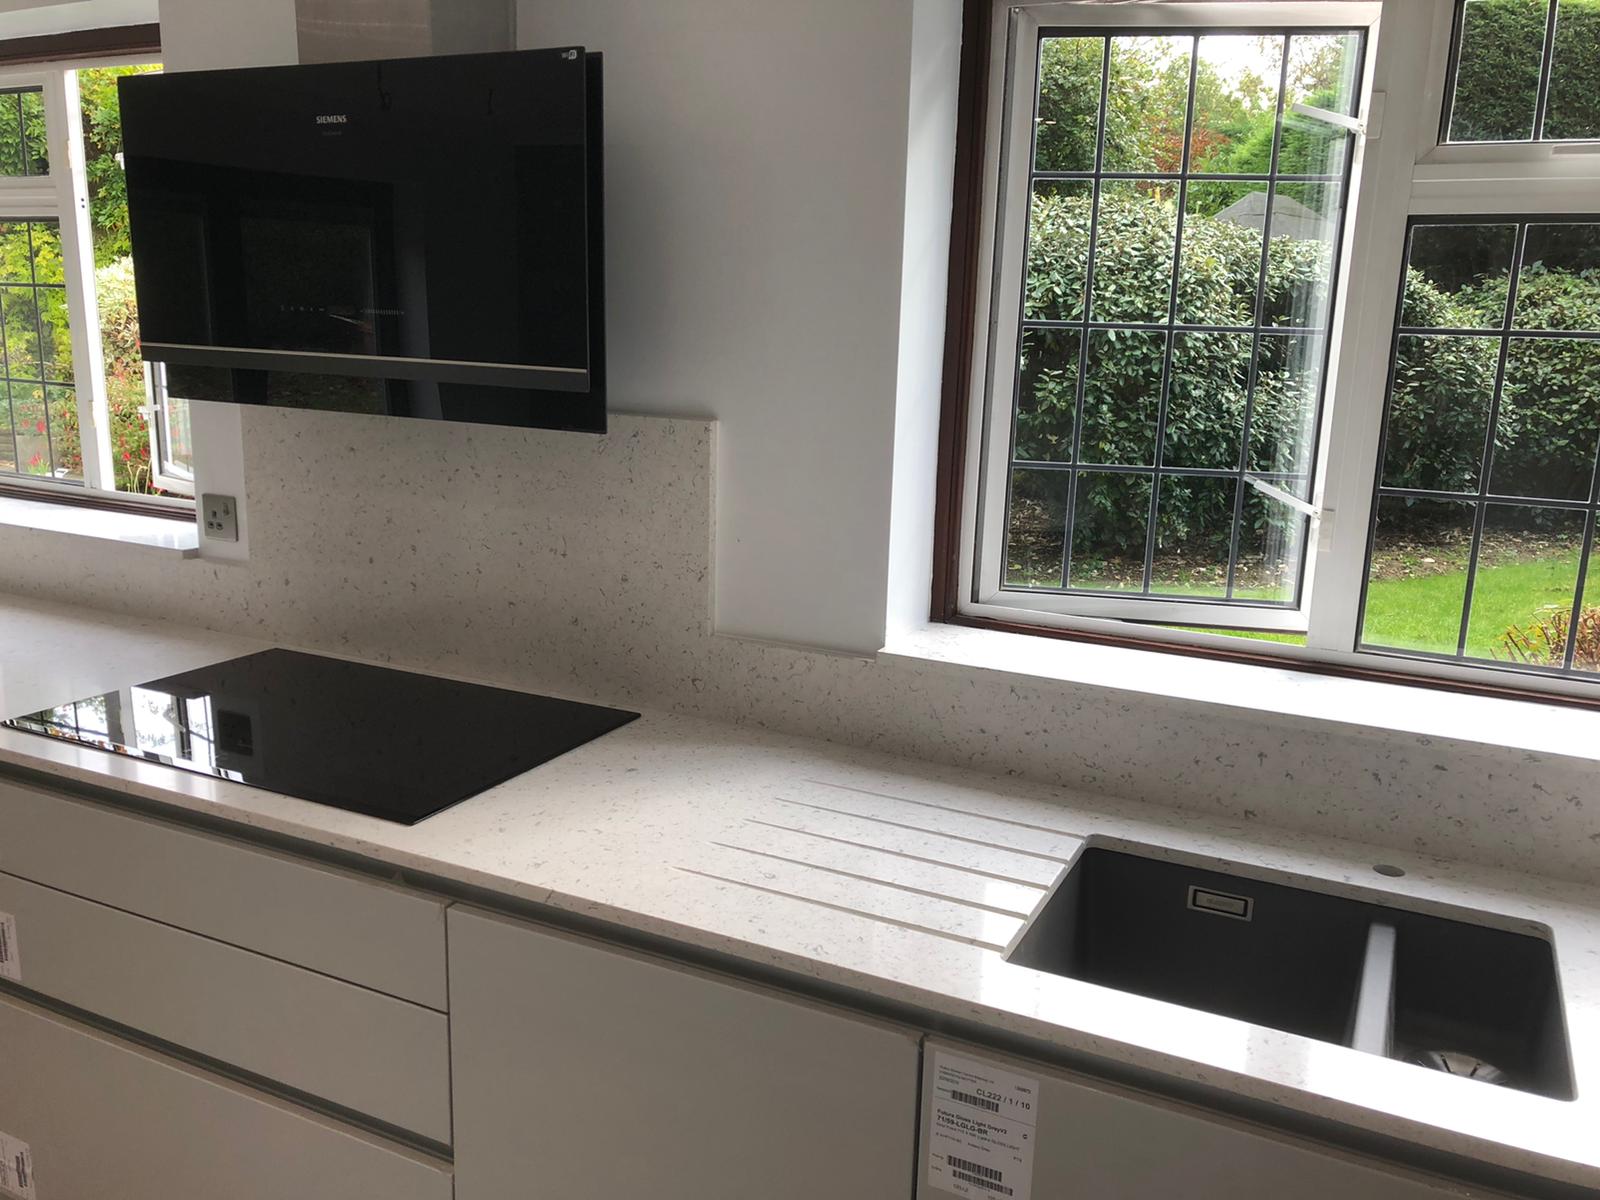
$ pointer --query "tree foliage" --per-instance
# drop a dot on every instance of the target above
(102, 147)
(1210, 372)
(1549, 418)
(1497, 82)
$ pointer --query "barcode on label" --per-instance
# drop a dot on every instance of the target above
(975, 1101)
(972, 1168)
(10, 956)
(16, 1168)
(998, 1188)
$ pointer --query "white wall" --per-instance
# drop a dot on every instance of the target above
(34, 18)
(200, 34)
(924, 272)
(756, 168)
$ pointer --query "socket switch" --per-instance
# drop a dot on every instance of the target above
(221, 516)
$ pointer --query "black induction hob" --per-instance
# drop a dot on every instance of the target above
(373, 740)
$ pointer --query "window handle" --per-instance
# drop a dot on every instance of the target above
(1354, 124)
(1283, 497)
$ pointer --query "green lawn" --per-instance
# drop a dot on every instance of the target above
(1424, 613)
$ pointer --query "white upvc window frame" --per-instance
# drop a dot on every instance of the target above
(1399, 170)
(164, 472)
(62, 195)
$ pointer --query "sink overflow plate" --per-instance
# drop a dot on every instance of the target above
(1220, 904)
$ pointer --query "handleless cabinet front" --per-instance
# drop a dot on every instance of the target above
(104, 1119)
(584, 1072)
(375, 1055)
(336, 922)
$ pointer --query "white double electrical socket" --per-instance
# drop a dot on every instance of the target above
(220, 515)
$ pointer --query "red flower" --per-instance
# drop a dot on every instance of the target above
(41, 427)
(126, 457)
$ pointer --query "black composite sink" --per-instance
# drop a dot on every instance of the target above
(1442, 993)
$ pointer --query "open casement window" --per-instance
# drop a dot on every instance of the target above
(171, 447)
(1202, 411)
(78, 409)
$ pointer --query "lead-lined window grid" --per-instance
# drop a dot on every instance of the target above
(1526, 400)
(39, 435)
(1062, 482)
(1523, 71)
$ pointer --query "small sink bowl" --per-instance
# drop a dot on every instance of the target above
(1445, 994)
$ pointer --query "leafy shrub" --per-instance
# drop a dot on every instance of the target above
(1550, 412)
(1499, 72)
(1210, 372)
(1543, 641)
(125, 391)
(119, 315)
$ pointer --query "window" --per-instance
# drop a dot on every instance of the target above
(1167, 388)
(1524, 71)
(1200, 408)
(79, 407)
(1486, 498)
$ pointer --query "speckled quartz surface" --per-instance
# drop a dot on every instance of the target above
(570, 564)
(899, 880)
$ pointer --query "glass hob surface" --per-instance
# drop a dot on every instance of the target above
(368, 739)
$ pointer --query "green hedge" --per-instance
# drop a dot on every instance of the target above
(1498, 80)
(1550, 415)
(1210, 372)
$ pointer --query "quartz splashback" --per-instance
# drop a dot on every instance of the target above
(582, 566)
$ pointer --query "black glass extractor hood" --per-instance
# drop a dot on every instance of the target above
(416, 237)
(367, 739)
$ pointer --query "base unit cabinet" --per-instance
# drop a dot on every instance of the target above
(102, 1118)
(1082, 1137)
(584, 1072)
(387, 1059)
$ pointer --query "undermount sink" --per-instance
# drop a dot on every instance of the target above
(1434, 991)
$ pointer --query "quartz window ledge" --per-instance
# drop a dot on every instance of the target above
(1275, 695)
(158, 534)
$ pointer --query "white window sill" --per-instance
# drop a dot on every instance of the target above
(156, 533)
(1317, 700)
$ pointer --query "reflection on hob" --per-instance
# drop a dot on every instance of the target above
(374, 740)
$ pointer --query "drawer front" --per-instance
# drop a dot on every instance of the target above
(365, 1051)
(106, 1119)
(600, 1074)
(337, 922)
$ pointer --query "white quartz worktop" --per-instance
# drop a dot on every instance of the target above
(898, 880)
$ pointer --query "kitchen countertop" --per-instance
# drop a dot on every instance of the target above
(884, 876)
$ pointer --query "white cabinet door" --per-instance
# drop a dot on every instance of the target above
(105, 1119)
(1100, 1142)
(583, 1072)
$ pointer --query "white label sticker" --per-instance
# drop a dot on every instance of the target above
(982, 1129)
(10, 956)
(16, 1168)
